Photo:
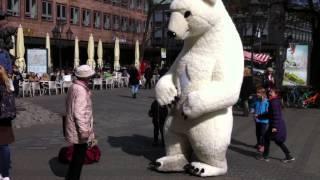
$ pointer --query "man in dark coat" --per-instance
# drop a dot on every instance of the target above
(159, 114)
(148, 74)
(247, 89)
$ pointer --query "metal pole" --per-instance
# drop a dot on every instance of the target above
(60, 59)
(252, 45)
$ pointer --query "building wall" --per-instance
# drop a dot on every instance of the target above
(38, 27)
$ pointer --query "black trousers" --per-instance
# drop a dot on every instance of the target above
(282, 146)
(148, 83)
(261, 130)
(78, 157)
(158, 127)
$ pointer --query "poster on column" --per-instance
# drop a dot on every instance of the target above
(296, 65)
(37, 60)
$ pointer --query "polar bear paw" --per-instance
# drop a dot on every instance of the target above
(204, 170)
(166, 92)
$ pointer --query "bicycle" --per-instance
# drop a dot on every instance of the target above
(312, 101)
(296, 97)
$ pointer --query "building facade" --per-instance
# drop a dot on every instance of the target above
(159, 39)
(105, 19)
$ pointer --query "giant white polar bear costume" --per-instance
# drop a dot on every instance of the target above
(204, 82)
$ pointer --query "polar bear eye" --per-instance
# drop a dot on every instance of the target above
(187, 14)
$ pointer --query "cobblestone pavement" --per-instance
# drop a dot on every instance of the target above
(125, 137)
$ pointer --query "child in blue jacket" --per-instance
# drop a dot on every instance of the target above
(261, 107)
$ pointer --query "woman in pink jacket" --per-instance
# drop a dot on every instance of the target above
(79, 120)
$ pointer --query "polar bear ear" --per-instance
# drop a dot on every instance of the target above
(210, 2)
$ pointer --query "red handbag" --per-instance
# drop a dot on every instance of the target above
(93, 155)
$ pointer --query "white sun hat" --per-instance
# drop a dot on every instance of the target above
(84, 71)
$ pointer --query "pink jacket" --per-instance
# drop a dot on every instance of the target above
(79, 119)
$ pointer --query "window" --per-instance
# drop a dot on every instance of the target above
(124, 24)
(116, 2)
(13, 7)
(132, 25)
(86, 17)
(124, 3)
(133, 4)
(107, 22)
(146, 6)
(139, 4)
(31, 9)
(61, 12)
(116, 22)
(139, 27)
(97, 19)
(74, 15)
(46, 10)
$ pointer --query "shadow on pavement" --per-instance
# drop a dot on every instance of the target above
(125, 96)
(243, 151)
(58, 168)
(137, 145)
(236, 142)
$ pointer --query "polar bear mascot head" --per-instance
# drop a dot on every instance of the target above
(191, 18)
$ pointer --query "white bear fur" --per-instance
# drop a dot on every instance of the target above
(206, 76)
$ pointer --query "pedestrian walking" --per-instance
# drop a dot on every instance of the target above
(79, 120)
(277, 130)
(262, 123)
(158, 114)
(7, 114)
(148, 74)
(134, 80)
(16, 77)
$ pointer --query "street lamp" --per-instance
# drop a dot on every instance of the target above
(57, 32)
(258, 22)
(69, 34)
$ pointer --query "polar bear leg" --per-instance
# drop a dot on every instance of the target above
(178, 150)
(210, 140)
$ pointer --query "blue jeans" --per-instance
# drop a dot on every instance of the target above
(4, 160)
(135, 88)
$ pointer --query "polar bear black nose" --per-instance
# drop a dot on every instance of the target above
(171, 34)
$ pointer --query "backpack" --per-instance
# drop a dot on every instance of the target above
(93, 155)
(7, 104)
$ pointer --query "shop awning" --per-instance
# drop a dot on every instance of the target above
(260, 58)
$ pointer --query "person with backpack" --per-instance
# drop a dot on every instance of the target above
(7, 114)
(79, 120)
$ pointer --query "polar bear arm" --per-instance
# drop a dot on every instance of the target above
(221, 93)
(165, 89)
